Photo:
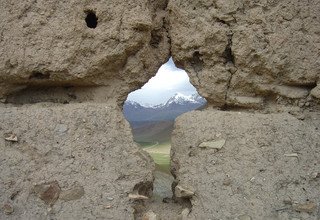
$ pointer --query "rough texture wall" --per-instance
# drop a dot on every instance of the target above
(79, 161)
(74, 161)
(48, 43)
(248, 53)
(247, 166)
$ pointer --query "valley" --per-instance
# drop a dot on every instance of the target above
(152, 127)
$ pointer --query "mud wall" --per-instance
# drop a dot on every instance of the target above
(66, 68)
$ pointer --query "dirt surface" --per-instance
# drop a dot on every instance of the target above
(266, 166)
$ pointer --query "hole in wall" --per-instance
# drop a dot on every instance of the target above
(91, 19)
(151, 112)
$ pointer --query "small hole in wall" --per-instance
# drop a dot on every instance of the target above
(151, 112)
(91, 19)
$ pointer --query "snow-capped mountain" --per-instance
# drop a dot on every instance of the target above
(180, 99)
(175, 106)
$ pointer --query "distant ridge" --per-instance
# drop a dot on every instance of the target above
(168, 111)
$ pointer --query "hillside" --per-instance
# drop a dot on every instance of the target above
(153, 131)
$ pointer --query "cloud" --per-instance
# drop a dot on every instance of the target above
(168, 81)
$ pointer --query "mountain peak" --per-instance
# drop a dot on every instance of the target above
(181, 99)
(177, 99)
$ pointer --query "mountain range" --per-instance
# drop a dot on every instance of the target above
(168, 111)
(154, 123)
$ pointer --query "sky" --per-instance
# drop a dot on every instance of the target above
(168, 81)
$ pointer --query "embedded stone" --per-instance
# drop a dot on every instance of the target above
(72, 194)
(7, 209)
(137, 197)
(308, 207)
(48, 192)
(213, 144)
(182, 192)
(150, 215)
(11, 137)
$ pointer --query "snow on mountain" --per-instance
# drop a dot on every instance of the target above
(175, 106)
(178, 99)
(132, 104)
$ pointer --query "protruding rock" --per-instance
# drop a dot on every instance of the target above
(48, 192)
(150, 215)
(72, 194)
(213, 144)
(291, 92)
(308, 207)
(316, 92)
(182, 192)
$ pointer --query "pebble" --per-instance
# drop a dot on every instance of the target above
(150, 215)
(137, 197)
(72, 194)
(213, 144)
(61, 128)
(11, 137)
(181, 192)
(315, 175)
(292, 155)
(48, 192)
(227, 182)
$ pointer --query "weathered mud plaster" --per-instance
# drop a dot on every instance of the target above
(274, 49)
(80, 161)
(49, 44)
(75, 161)
(254, 165)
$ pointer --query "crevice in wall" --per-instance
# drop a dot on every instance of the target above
(196, 61)
(230, 65)
(36, 75)
(227, 54)
(156, 38)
